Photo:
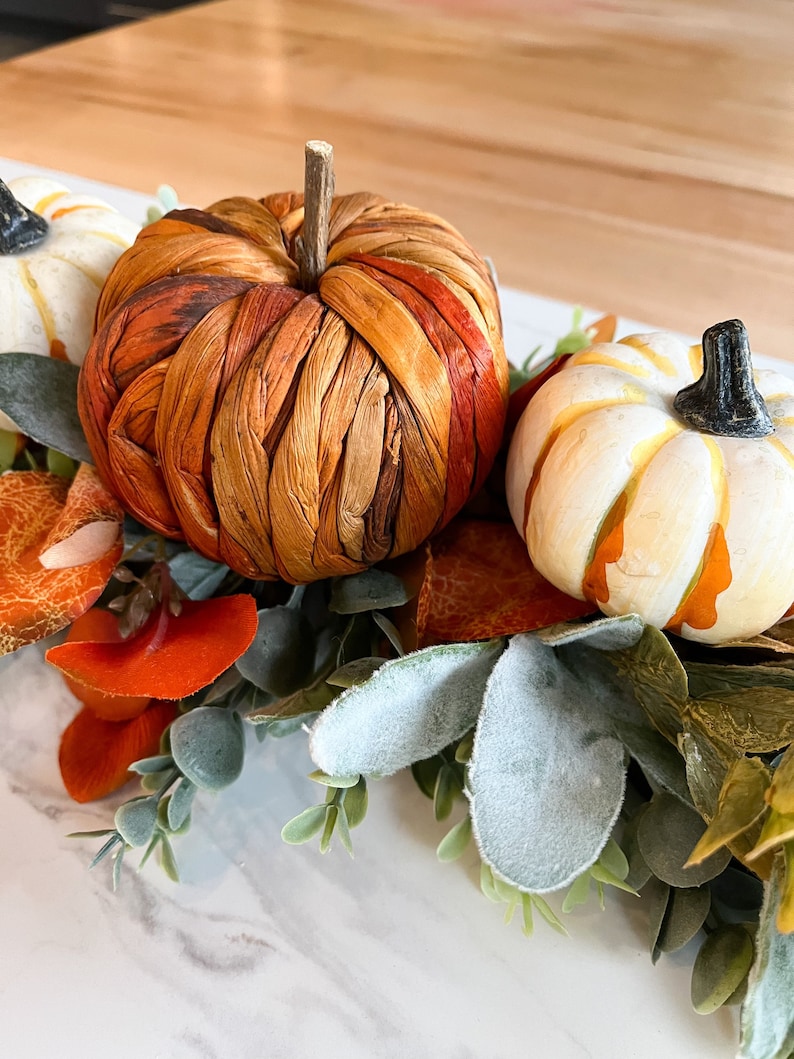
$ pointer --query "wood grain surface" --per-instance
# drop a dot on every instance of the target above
(635, 156)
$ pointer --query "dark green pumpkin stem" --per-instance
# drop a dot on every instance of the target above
(724, 400)
(20, 228)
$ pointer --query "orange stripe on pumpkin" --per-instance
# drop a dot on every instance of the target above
(608, 549)
(699, 608)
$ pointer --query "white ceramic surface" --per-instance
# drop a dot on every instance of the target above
(272, 952)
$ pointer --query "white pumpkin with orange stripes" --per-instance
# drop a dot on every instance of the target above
(50, 279)
(648, 485)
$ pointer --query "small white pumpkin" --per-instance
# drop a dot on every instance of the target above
(647, 483)
(51, 273)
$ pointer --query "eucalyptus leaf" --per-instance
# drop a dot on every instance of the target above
(343, 829)
(180, 804)
(303, 827)
(410, 709)
(331, 817)
(333, 781)
(658, 759)
(655, 898)
(767, 1025)
(578, 892)
(168, 860)
(453, 844)
(720, 967)
(159, 763)
(639, 873)
(667, 834)
(40, 395)
(446, 791)
(135, 820)
(706, 678)
(658, 678)
(208, 747)
(547, 774)
(603, 634)
(196, 576)
(425, 774)
(741, 802)
(369, 590)
(281, 658)
(357, 671)
(685, 914)
(356, 801)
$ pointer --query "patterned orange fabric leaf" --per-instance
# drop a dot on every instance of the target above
(36, 602)
(170, 657)
(88, 526)
(100, 626)
(481, 583)
(95, 754)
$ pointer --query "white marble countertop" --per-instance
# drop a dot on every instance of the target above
(266, 950)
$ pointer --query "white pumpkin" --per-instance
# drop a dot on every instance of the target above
(624, 502)
(49, 291)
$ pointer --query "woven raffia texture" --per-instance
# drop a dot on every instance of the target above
(290, 435)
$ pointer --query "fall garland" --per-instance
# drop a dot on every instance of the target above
(588, 751)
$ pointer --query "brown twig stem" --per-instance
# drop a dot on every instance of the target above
(318, 194)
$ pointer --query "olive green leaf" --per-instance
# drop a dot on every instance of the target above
(167, 859)
(777, 829)
(639, 873)
(767, 1025)
(356, 802)
(40, 395)
(603, 634)
(409, 710)
(658, 678)
(303, 827)
(659, 760)
(706, 679)
(302, 703)
(685, 914)
(655, 899)
(667, 833)
(425, 774)
(208, 747)
(781, 789)
(707, 759)
(281, 658)
(369, 590)
(454, 843)
(135, 820)
(741, 802)
(547, 774)
(333, 781)
(448, 788)
(720, 967)
(755, 720)
(8, 449)
(357, 671)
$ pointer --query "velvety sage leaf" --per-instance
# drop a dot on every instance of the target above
(357, 671)
(741, 802)
(356, 801)
(409, 710)
(755, 720)
(425, 774)
(159, 763)
(135, 820)
(454, 843)
(208, 747)
(705, 678)
(658, 759)
(655, 898)
(720, 966)
(281, 658)
(333, 781)
(196, 576)
(180, 804)
(658, 678)
(547, 774)
(685, 915)
(40, 395)
(667, 834)
(767, 1027)
(370, 590)
(603, 634)
(304, 826)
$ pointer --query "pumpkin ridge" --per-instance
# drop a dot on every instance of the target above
(661, 362)
(34, 292)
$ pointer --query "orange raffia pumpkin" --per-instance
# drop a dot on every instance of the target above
(290, 434)
(649, 477)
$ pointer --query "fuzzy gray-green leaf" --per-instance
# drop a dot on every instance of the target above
(196, 576)
(719, 969)
(180, 803)
(40, 395)
(547, 774)
(281, 658)
(369, 590)
(603, 634)
(135, 820)
(208, 747)
(409, 710)
(304, 826)
(667, 834)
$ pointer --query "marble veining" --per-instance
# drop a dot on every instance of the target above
(265, 950)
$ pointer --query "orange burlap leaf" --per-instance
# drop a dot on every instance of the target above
(96, 754)
(36, 602)
(100, 626)
(481, 583)
(170, 657)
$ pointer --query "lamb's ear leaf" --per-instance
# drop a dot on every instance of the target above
(40, 395)
(408, 710)
(603, 634)
(547, 773)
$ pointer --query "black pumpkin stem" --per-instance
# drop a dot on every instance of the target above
(20, 228)
(724, 400)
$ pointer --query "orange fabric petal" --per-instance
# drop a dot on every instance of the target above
(95, 754)
(169, 658)
(87, 527)
(481, 583)
(36, 602)
(100, 626)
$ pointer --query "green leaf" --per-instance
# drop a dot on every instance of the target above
(547, 912)
(331, 818)
(92, 834)
(135, 820)
(706, 679)
(369, 590)
(180, 804)
(658, 759)
(390, 629)
(303, 827)
(547, 775)
(196, 576)
(463, 750)
(756, 720)
(578, 892)
(118, 860)
(40, 395)
(8, 449)
(454, 843)
(767, 1028)
(685, 915)
(720, 967)
(528, 924)
(168, 860)
(602, 634)
(614, 860)
(357, 671)
(488, 884)
(63, 466)
(425, 774)
(655, 898)
(343, 829)
(208, 747)
(639, 873)
(333, 781)
(410, 709)
(446, 791)
(281, 658)
(667, 833)
(740, 804)
(658, 678)
(356, 801)
(146, 765)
